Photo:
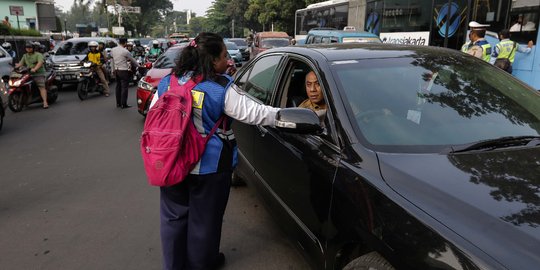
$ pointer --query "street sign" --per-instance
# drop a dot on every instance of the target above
(130, 9)
(16, 10)
(103, 30)
(118, 30)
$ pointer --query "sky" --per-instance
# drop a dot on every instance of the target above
(197, 6)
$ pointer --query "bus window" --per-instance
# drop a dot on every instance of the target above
(523, 24)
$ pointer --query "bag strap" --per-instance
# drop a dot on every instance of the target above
(218, 123)
(513, 48)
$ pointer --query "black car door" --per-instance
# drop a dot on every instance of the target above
(258, 81)
(298, 169)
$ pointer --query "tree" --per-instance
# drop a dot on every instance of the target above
(197, 25)
(279, 13)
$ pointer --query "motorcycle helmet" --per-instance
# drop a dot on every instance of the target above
(93, 44)
(29, 45)
(130, 44)
(6, 46)
(155, 43)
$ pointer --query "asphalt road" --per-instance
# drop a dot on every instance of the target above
(74, 195)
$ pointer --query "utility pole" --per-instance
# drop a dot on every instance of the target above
(232, 28)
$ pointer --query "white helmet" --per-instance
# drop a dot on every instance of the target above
(93, 44)
(155, 42)
(130, 43)
(6, 46)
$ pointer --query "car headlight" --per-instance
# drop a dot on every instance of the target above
(87, 64)
(144, 85)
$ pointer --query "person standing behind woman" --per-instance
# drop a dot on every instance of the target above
(192, 211)
(121, 57)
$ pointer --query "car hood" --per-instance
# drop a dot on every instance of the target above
(154, 75)
(491, 199)
(66, 58)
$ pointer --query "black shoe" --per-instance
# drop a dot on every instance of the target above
(219, 262)
(126, 106)
(118, 106)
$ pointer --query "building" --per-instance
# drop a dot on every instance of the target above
(30, 14)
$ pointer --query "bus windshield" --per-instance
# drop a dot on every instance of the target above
(329, 14)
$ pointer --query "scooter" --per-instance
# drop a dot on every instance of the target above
(89, 81)
(139, 71)
(23, 90)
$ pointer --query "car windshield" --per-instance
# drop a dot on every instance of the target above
(167, 59)
(427, 102)
(239, 42)
(274, 42)
(231, 46)
(72, 48)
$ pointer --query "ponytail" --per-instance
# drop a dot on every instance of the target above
(199, 56)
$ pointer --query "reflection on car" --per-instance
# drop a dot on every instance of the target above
(427, 158)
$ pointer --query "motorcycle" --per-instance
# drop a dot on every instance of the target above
(89, 81)
(23, 90)
(139, 71)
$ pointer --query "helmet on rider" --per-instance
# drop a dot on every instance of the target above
(29, 45)
(6, 46)
(93, 45)
(155, 43)
(129, 46)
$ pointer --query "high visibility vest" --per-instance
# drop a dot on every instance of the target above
(507, 49)
(94, 58)
(465, 47)
(486, 49)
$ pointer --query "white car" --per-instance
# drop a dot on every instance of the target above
(5, 70)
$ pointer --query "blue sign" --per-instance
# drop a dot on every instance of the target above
(450, 16)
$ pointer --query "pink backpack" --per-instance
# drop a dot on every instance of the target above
(171, 146)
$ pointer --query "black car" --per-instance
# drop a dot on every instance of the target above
(66, 57)
(425, 158)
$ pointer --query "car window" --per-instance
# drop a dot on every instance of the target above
(274, 42)
(239, 42)
(317, 40)
(231, 46)
(261, 78)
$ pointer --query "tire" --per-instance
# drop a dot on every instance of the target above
(370, 261)
(82, 89)
(15, 101)
(52, 97)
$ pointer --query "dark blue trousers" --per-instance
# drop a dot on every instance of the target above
(191, 220)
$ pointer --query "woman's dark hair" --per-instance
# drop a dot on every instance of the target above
(199, 56)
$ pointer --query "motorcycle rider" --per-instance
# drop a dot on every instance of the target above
(129, 47)
(7, 46)
(36, 62)
(156, 50)
(139, 49)
(97, 58)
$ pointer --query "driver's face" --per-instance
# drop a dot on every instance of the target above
(313, 88)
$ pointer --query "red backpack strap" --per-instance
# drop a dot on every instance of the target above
(219, 121)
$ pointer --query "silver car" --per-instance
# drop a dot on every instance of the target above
(5, 70)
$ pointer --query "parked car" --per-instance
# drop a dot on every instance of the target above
(147, 85)
(234, 52)
(340, 36)
(425, 157)
(66, 57)
(242, 46)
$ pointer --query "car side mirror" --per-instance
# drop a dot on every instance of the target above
(77, 57)
(298, 120)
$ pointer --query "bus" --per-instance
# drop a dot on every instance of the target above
(331, 14)
(442, 23)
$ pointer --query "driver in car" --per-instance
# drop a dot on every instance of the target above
(315, 100)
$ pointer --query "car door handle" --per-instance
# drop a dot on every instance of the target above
(262, 130)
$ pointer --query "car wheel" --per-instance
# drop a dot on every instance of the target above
(370, 261)
(236, 180)
(82, 90)
(15, 101)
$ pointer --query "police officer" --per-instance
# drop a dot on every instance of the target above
(478, 45)
(506, 49)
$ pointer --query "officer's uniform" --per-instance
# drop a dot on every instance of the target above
(481, 45)
(192, 211)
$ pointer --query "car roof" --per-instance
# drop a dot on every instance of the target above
(341, 33)
(355, 51)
